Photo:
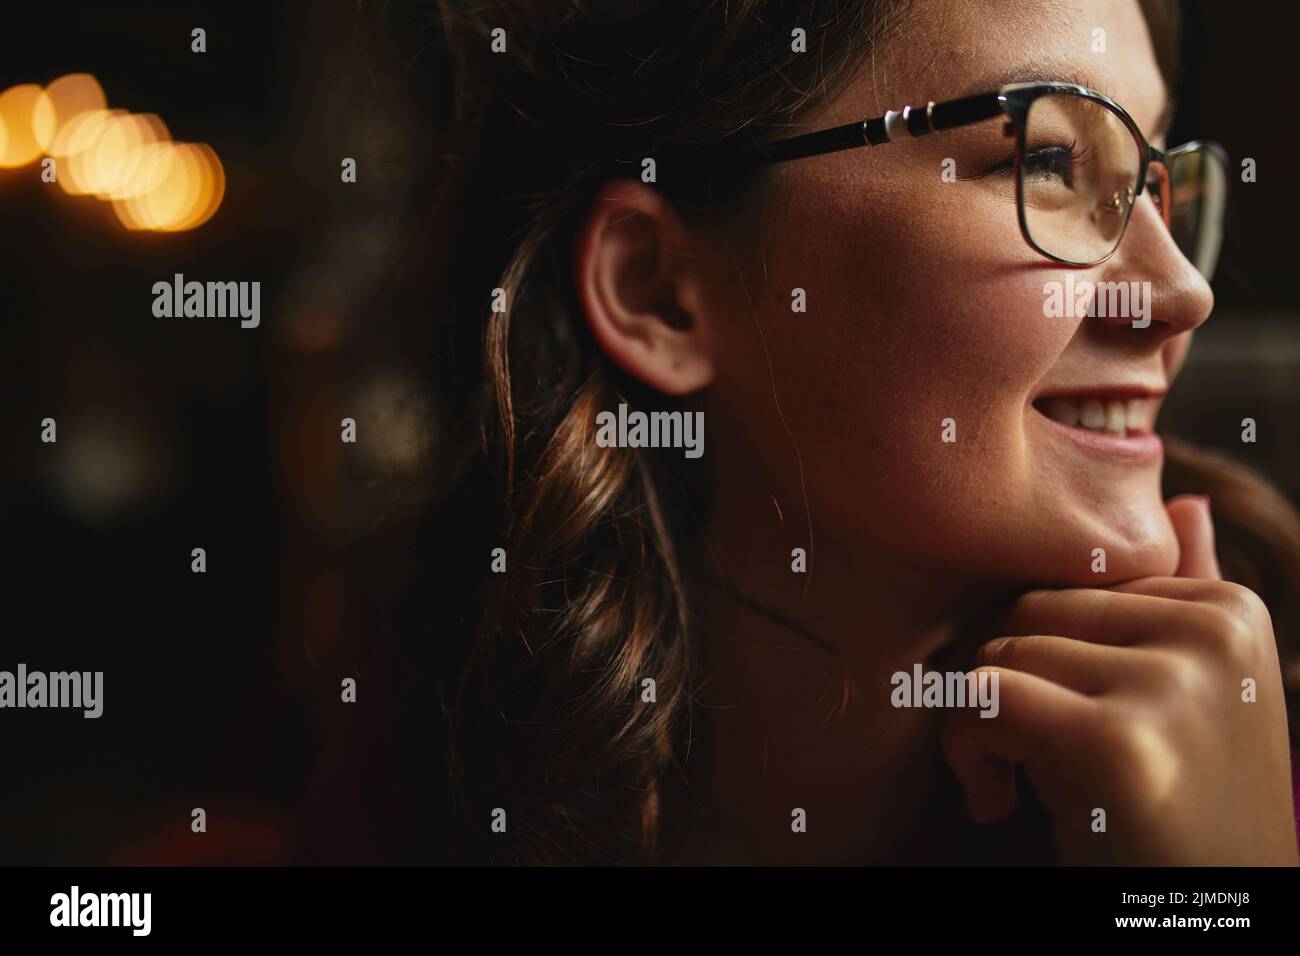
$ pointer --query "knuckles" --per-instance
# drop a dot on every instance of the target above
(1244, 604)
(1234, 621)
(1230, 617)
(1003, 651)
(1181, 677)
(1138, 753)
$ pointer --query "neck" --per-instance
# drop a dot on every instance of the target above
(795, 698)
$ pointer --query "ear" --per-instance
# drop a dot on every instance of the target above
(637, 270)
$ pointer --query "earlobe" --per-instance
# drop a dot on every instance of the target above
(639, 293)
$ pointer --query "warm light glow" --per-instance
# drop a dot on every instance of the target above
(125, 158)
(177, 186)
(171, 199)
(132, 181)
(63, 99)
(153, 166)
(78, 134)
(16, 106)
(106, 162)
(78, 171)
(210, 188)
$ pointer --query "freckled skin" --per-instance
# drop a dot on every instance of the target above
(925, 302)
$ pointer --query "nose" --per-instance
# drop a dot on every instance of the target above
(1180, 298)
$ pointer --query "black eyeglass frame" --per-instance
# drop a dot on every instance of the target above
(1012, 101)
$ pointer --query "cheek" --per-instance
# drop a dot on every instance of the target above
(909, 323)
(910, 310)
(920, 329)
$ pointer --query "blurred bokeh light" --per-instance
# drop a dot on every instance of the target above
(58, 103)
(125, 158)
(16, 107)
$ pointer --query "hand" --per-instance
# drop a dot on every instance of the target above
(1129, 699)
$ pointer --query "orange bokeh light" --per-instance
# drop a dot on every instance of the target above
(177, 186)
(133, 181)
(66, 97)
(79, 141)
(125, 158)
(16, 106)
(211, 189)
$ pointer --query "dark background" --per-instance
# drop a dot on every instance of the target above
(222, 689)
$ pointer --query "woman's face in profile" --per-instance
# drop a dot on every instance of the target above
(925, 303)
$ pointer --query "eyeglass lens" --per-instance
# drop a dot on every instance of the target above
(1198, 192)
(1078, 177)
(1078, 183)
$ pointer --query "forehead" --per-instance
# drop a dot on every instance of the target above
(942, 49)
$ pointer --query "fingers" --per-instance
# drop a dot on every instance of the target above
(1221, 618)
(1101, 616)
(1155, 612)
(1035, 719)
(1190, 516)
(1228, 595)
(989, 783)
(1090, 669)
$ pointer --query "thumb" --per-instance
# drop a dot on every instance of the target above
(1194, 529)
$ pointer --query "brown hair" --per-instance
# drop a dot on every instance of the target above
(542, 666)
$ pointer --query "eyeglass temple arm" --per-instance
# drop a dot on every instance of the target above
(891, 127)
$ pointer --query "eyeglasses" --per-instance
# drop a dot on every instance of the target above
(1080, 164)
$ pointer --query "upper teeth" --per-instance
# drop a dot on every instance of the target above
(1110, 415)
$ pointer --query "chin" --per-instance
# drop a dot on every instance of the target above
(1138, 544)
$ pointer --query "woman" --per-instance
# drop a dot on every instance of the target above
(909, 465)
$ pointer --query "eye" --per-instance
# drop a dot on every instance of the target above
(1044, 164)
(1061, 162)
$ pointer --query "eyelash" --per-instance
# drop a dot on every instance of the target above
(1043, 157)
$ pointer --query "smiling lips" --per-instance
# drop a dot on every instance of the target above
(1112, 422)
(1114, 416)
